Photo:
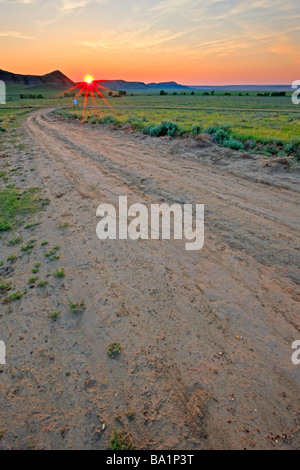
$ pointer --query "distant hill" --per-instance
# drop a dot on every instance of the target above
(123, 85)
(242, 87)
(54, 78)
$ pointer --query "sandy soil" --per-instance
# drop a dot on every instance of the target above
(206, 336)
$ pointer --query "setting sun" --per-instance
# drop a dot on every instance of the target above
(88, 79)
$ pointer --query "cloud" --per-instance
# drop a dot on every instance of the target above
(170, 5)
(23, 2)
(64, 8)
(15, 35)
(142, 39)
(69, 6)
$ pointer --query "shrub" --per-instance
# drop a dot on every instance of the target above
(164, 128)
(54, 315)
(233, 144)
(120, 441)
(59, 273)
(76, 307)
(196, 130)
(94, 120)
(28, 247)
(15, 296)
(107, 120)
(15, 241)
(4, 286)
(114, 349)
(12, 258)
(211, 130)
(220, 136)
(135, 123)
(51, 254)
(292, 146)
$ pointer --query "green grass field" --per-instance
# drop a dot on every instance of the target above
(268, 125)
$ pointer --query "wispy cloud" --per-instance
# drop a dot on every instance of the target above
(15, 35)
(22, 2)
(169, 5)
(142, 39)
(60, 9)
(69, 6)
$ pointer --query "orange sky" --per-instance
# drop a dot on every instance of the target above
(191, 42)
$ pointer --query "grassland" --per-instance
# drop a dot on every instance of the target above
(242, 121)
(11, 117)
(88, 317)
(268, 125)
(48, 91)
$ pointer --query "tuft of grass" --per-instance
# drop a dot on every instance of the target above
(15, 296)
(44, 243)
(52, 254)
(64, 225)
(54, 315)
(59, 273)
(114, 349)
(32, 280)
(15, 241)
(42, 283)
(12, 258)
(31, 444)
(120, 441)
(27, 248)
(44, 202)
(32, 225)
(130, 415)
(78, 307)
(36, 269)
(4, 286)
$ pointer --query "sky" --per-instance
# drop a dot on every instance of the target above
(193, 42)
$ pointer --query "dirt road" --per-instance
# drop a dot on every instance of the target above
(206, 336)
